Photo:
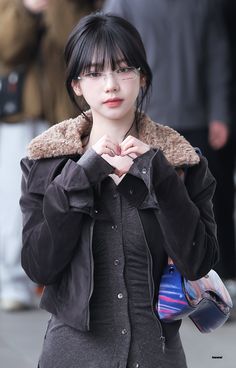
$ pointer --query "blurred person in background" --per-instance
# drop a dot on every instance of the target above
(230, 21)
(32, 93)
(187, 50)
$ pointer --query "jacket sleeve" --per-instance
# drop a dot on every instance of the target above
(184, 212)
(52, 221)
(18, 32)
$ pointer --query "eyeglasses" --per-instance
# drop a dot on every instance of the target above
(121, 74)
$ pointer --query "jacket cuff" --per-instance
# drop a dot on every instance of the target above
(152, 164)
(141, 167)
(151, 168)
(137, 183)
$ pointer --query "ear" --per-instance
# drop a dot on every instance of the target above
(76, 87)
(142, 81)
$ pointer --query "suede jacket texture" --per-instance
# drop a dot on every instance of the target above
(59, 212)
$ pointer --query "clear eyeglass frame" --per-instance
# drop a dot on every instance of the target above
(122, 74)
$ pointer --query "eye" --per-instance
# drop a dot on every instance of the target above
(124, 70)
(93, 75)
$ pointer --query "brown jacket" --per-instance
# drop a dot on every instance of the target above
(37, 43)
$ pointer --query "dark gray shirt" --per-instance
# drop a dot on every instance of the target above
(125, 332)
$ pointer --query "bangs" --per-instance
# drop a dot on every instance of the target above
(104, 50)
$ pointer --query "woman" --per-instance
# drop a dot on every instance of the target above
(103, 205)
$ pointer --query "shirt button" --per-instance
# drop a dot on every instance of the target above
(95, 211)
(115, 195)
(114, 227)
(124, 331)
(144, 171)
(136, 365)
(116, 262)
(120, 296)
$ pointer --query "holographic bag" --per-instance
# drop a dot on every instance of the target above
(205, 301)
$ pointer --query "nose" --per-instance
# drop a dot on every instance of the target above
(110, 82)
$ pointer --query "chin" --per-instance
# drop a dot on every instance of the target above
(118, 113)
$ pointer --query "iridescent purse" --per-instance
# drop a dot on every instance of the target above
(205, 301)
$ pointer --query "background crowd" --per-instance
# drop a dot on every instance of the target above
(191, 48)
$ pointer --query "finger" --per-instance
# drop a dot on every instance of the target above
(132, 145)
(134, 150)
(105, 145)
(107, 142)
(108, 151)
(113, 147)
(128, 142)
(125, 146)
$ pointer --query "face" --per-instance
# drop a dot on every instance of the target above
(110, 94)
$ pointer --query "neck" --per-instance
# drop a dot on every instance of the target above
(118, 129)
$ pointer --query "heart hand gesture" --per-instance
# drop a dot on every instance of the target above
(120, 155)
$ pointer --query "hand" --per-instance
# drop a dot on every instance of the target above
(130, 148)
(35, 6)
(218, 134)
(106, 145)
(120, 155)
(121, 164)
(110, 152)
(133, 147)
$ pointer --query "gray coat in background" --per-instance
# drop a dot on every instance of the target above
(187, 52)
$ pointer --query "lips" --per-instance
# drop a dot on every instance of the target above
(113, 102)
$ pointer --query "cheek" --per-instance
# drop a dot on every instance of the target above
(90, 95)
(134, 91)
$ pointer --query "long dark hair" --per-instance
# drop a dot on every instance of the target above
(105, 39)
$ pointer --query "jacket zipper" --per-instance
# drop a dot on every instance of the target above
(150, 268)
(91, 286)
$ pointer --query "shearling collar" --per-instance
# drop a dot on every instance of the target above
(65, 139)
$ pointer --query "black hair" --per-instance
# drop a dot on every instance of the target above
(108, 39)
